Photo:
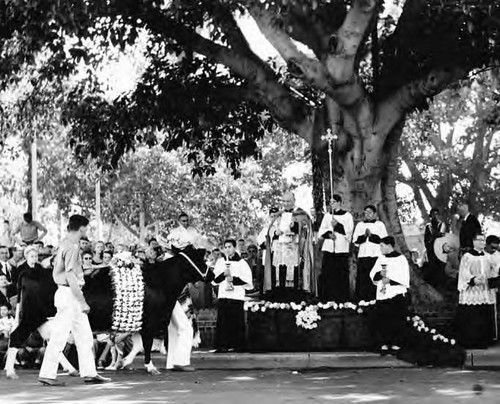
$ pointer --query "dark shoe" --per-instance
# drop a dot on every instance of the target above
(50, 382)
(97, 379)
(183, 368)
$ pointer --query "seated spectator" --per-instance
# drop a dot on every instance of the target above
(6, 291)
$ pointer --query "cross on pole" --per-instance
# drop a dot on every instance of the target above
(330, 138)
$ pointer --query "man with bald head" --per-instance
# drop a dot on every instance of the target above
(469, 228)
(289, 268)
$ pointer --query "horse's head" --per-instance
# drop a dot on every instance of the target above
(195, 264)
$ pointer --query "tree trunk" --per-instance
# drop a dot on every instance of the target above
(422, 293)
(365, 171)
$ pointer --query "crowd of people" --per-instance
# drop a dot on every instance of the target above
(279, 266)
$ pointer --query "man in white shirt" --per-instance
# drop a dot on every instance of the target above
(184, 235)
(5, 267)
(366, 237)
(233, 276)
(336, 230)
(391, 276)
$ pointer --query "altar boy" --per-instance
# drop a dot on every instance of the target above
(391, 276)
(233, 276)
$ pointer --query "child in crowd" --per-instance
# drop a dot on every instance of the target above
(6, 325)
(6, 322)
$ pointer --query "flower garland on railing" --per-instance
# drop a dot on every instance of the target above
(128, 286)
(307, 315)
(420, 326)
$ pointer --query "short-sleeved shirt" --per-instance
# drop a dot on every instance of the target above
(68, 260)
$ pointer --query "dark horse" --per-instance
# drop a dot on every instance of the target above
(164, 282)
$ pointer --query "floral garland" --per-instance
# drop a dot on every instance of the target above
(128, 286)
(307, 315)
(420, 326)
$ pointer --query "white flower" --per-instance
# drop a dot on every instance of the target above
(360, 311)
(433, 331)
(452, 342)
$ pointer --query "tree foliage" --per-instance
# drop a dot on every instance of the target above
(452, 150)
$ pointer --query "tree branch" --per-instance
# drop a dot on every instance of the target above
(391, 110)
(311, 68)
(292, 113)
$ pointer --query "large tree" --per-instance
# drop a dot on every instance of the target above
(354, 67)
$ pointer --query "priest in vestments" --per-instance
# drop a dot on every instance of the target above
(289, 268)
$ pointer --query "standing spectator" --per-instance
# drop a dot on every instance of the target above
(233, 276)
(435, 268)
(151, 255)
(336, 229)
(29, 230)
(241, 248)
(391, 275)
(183, 235)
(110, 247)
(85, 245)
(469, 228)
(367, 236)
(6, 237)
(476, 302)
(107, 256)
(492, 252)
(98, 252)
(72, 310)
(255, 265)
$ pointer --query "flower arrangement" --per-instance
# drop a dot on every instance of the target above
(128, 287)
(307, 318)
(420, 326)
(307, 315)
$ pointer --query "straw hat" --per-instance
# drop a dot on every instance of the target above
(446, 244)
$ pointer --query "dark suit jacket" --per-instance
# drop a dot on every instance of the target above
(469, 229)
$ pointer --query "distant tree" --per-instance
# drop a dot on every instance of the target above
(452, 150)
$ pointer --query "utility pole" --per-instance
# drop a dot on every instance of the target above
(34, 169)
(98, 208)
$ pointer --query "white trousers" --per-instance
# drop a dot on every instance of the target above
(180, 338)
(69, 318)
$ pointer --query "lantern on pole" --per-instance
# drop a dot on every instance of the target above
(330, 138)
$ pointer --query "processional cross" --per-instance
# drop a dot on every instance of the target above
(330, 138)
